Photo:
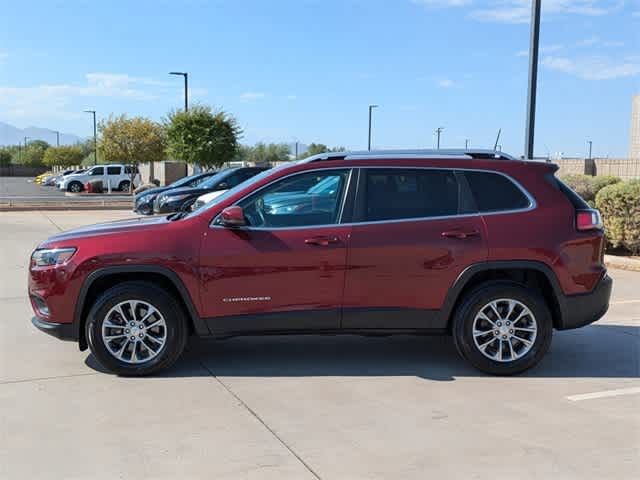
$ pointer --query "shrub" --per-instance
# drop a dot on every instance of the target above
(598, 183)
(619, 205)
(5, 157)
(587, 186)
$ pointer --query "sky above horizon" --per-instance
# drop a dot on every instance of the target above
(307, 70)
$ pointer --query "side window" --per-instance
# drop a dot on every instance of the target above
(291, 202)
(128, 170)
(113, 170)
(400, 194)
(97, 171)
(494, 192)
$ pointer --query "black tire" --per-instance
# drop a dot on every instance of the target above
(161, 300)
(124, 186)
(75, 187)
(478, 298)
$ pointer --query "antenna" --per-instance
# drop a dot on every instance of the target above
(497, 139)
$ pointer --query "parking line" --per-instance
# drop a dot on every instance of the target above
(604, 394)
(620, 302)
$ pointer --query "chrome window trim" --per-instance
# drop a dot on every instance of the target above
(349, 170)
(532, 202)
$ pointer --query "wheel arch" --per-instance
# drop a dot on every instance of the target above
(103, 278)
(531, 274)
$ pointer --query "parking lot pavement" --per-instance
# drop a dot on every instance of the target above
(313, 407)
(25, 187)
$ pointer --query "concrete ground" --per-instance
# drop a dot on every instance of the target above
(312, 407)
(23, 188)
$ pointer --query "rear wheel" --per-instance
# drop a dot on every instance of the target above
(75, 187)
(502, 328)
(124, 186)
(136, 328)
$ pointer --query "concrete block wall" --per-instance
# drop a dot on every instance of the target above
(625, 168)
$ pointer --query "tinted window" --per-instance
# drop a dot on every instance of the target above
(292, 203)
(494, 192)
(398, 193)
(128, 170)
(97, 171)
(113, 170)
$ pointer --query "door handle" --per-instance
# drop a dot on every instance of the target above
(322, 241)
(460, 234)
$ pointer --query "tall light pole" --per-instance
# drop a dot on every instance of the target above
(371, 107)
(590, 147)
(57, 137)
(533, 78)
(186, 88)
(438, 132)
(25, 142)
(95, 137)
(466, 144)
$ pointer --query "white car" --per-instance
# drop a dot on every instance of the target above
(118, 177)
(206, 198)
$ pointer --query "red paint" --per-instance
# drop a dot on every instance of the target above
(405, 264)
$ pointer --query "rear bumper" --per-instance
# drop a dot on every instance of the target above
(580, 310)
(63, 331)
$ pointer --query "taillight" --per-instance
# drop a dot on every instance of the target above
(588, 220)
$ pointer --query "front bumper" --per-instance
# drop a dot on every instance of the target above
(169, 207)
(63, 331)
(580, 310)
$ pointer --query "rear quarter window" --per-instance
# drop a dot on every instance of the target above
(494, 192)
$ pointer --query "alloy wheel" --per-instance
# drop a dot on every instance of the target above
(134, 331)
(504, 330)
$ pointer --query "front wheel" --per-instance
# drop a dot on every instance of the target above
(75, 187)
(502, 328)
(124, 186)
(136, 328)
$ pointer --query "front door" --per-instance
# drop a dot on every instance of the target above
(415, 232)
(285, 271)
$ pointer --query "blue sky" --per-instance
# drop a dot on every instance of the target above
(308, 69)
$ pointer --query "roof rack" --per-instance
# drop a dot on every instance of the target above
(452, 153)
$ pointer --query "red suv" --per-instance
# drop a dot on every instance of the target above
(495, 251)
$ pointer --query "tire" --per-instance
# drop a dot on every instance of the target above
(124, 186)
(165, 341)
(529, 342)
(75, 187)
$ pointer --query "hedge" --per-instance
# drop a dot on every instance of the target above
(588, 187)
(619, 205)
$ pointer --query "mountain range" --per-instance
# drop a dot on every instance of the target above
(12, 135)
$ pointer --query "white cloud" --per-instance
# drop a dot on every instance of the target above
(251, 96)
(52, 100)
(445, 83)
(519, 11)
(594, 68)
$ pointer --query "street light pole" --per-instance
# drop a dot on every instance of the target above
(25, 142)
(590, 147)
(438, 132)
(95, 137)
(371, 107)
(533, 79)
(466, 144)
(186, 88)
(57, 138)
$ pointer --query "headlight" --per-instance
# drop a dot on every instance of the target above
(174, 198)
(51, 256)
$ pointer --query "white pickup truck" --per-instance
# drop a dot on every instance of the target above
(114, 177)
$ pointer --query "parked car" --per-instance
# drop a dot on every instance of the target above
(116, 176)
(175, 199)
(143, 203)
(53, 180)
(40, 178)
(202, 200)
(494, 251)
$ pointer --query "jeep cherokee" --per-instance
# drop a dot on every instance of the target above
(494, 251)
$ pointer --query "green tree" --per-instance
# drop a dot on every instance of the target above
(33, 154)
(65, 156)
(315, 148)
(131, 141)
(202, 137)
(268, 153)
(5, 157)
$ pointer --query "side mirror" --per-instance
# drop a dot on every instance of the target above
(233, 217)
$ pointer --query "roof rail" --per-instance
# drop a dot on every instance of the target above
(419, 153)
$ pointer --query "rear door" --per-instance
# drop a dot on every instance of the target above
(114, 176)
(415, 231)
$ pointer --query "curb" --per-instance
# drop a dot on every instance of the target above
(622, 263)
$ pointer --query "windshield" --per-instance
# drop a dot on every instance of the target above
(212, 181)
(325, 186)
(252, 181)
(184, 181)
